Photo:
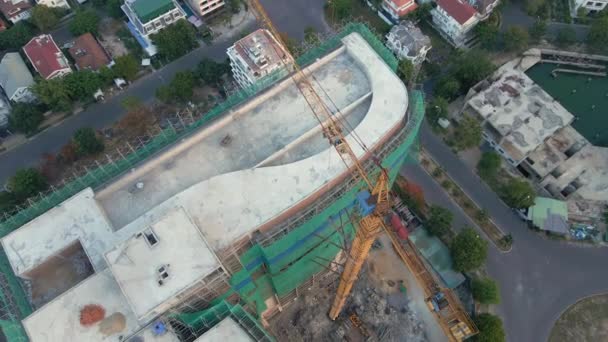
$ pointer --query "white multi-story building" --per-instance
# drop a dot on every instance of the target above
(593, 6)
(455, 19)
(150, 16)
(408, 42)
(15, 78)
(16, 10)
(206, 7)
(255, 56)
(54, 3)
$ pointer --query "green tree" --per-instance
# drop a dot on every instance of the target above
(422, 13)
(175, 40)
(488, 34)
(54, 93)
(440, 220)
(87, 142)
(485, 290)
(437, 109)
(471, 67)
(27, 183)
(406, 70)
(469, 250)
(84, 21)
(516, 38)
(126, 66)
(290, 43)
(25, 117)
(490, 328)
(598, 34)
(310, 35)
(211, 72)
(468, 133)
(565, 37)
(179, 90)
(7, 202)
(44, 17)
(16, 36)
(534, 7)
(518, 193)
(488, 165)
(340, 9)
(131, 103)
(447, 87)
(538, 29)
(81, 85)
(234, 5)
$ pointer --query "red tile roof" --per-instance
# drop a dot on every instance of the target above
(399, 3)
(10, 9)
(88, 54)
(460, 11)
(45, 56)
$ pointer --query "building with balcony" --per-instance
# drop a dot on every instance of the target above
(15, 78)
(455, 19)
(397, 9)
(206, 7)
(15, 10)
(46, 57)
(407, 41)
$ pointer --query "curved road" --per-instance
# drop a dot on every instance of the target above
(539, 278)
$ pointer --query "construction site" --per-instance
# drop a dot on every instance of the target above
(271, 218)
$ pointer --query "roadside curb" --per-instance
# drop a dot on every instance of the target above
(503, 251)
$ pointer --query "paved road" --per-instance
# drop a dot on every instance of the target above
(539, 278)
(290, 16)
(513, 15)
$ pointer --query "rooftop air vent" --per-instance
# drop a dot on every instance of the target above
(162, 274)
(151, 237)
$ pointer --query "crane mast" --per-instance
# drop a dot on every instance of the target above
(456, 324)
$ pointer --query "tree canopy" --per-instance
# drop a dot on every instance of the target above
(25, 117)
(516, 38)
(440, 220)
(488, 165)
(84, 21)
(81, 85)
(7, 201)
(126, 66)
(468, 133)
(598, 34)
(211, 72)
(179, 90)
(44, 17)
(565, 37)
(485, 290)
(27, 183)
(310, 35)
(488, 34)
(469, 250)
(437, 109)
(54, 93)
(447, 87)
(490, 328)
(471, 67)
(518, 193)
(340, 9)
(16, 36)
(175, 40)
(87, 142)
(406, 70)
(538, 29)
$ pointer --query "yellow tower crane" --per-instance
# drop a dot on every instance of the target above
(448, 311)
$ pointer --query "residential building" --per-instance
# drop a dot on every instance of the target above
(54, 3)
(46, 57)
(454, 19)
(255, 56)
(592, 6)
(407, 41)
(147, 17)
(206, 7)
(397, 9)
(88, 54)
(517, 115)
(15, 78)
(484, 7)
(15, 10)
(164, 244)
(5, 112)
(151, 16)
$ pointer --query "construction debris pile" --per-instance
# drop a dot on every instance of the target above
(371, 314)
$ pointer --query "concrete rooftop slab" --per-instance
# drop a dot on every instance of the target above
(226, 330)
(158, 263)
(59, 320)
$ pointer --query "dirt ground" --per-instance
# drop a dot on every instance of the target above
(585, 321)
(109, 40)
(58, 275)
(386, 313)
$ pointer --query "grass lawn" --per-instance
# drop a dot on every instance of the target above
(585, 321)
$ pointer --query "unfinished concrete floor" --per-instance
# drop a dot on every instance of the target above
(387, 314)
(57, 275)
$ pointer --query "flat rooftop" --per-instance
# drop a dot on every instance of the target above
(158, 263)
(519, 110)
(553, 152)
(277, 157)
(59, 320)
(261, 51)
(226, 330)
